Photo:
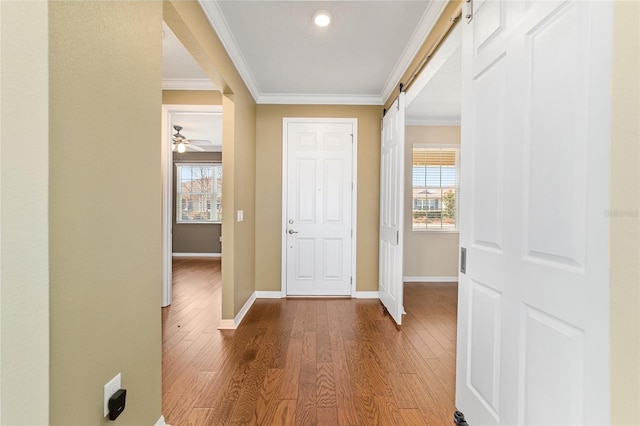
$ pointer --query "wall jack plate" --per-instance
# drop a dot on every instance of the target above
(109, 389)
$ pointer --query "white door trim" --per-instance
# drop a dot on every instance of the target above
(167, 187)
(354, 195)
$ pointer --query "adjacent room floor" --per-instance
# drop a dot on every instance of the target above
(306, 361)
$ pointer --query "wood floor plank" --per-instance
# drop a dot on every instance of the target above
(430, 382)
(389, 412)
(201, 417)
(365, 403)
(306, 413)
(430, 410)
(291, 379)
(345, 390)
(309, 347)
(327, 416)
(325, 386)
(178, 407)
(411, 416)
(335, 330)
(268, 394)
(306, 361)
(323, 339)
(284, 413)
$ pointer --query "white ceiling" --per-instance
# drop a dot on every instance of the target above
(357, 59)
(284, 58)
(179, 70)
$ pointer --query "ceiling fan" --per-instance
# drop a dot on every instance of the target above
(180, 142)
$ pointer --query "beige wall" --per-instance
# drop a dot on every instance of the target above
(428, 254)
(189, 23)
(191, 97)
(24, 246)
(105, 81)
(625, 228)
(269, 189)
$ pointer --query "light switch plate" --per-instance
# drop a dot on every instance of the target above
(109, 389)
(240, 215)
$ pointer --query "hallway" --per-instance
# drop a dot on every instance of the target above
(306, 361)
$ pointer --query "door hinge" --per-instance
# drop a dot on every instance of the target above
(397, 237)
(463, 260)
(468, 12)
(351, 281)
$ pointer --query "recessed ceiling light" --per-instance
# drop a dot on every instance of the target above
(322, 18)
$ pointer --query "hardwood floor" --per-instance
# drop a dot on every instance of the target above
(306, 361)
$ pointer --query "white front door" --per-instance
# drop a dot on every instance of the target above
(390, 286)
(318, 206)
(533, 324)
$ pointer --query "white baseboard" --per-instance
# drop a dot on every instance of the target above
(227, 324)
(430, 279)
(161, 422)
(269, 295)
(234, 323)
(367, 295)
(196, 254)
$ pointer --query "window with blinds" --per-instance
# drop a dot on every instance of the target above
(198, 193)
(435, 188)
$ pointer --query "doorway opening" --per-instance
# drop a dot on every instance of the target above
(432, 168)
(192, 186)
(191, 160)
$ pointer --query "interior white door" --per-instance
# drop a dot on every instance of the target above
(390, 285)
(319, 191)
(533, 316)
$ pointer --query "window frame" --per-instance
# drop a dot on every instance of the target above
(453, 147)
(214, 194)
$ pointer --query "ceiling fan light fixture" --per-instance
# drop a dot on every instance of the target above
(322, 18)
(179, 141)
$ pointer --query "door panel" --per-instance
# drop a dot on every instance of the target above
(488, 158)
(391, 209)
(563, 343)
(485, 332)
(318, 208)
(533, 342)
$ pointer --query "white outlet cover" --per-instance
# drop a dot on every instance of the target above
(240, 215)
(109, 389)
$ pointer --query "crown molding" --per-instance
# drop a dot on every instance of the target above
(319, 99)
(188, 84)
(221, 27)
(424, 28)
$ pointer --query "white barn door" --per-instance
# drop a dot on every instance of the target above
(392, 209)
(533, 324)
